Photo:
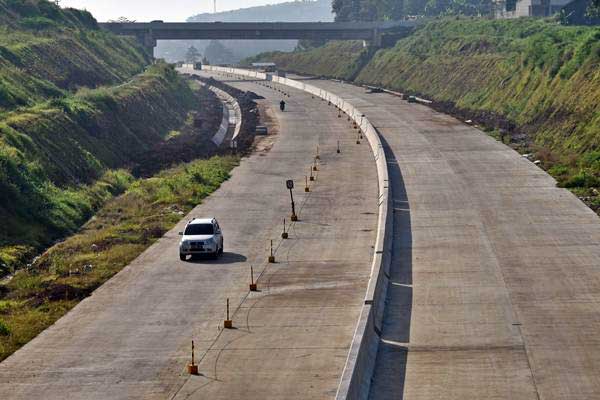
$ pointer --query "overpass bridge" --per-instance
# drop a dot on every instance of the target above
(149, 32)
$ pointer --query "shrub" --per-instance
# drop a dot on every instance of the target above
(38, 23)
(582, 179)
(25, 8)
(4, 329)
(558, 170)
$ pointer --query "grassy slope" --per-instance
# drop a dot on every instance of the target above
(45, 50)
(532, 74)
(335, 59)
(543, 76)
(35, 298)
(71, 109)
(48, 151)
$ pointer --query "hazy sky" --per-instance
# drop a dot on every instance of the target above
(166, 10)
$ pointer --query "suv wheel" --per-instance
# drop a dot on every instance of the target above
(182, 257)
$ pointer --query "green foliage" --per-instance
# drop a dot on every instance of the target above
(4, 329)
(72, 106)
(371, 10)
(41, 196)
(192, 55)
(38, 23)
(335, 59)
(122, 229)
(217, 53)
(16, 11)
(582, 179)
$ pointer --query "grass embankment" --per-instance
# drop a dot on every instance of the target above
(46, 51)
(53, 155)
(527, 77)
(340, 60)
(68, 272)
(74, 104)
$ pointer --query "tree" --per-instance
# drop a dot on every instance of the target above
(217, 53)
(370, 10)
(593, 9)
(414, 7)
(192, 55)
(394, 10)
(346, 10)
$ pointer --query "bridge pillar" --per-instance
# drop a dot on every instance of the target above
(148, 41)
(377, 38)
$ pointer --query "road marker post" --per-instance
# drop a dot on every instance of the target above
(271, 256)
(315, 167)
(253, 286)
(357, 138)
(318, 157)
(339, 113)
(338, 147)
(306, 188)
(284, 234)
(290, 185)
(312, 177)
(228, 323)
(192, 367)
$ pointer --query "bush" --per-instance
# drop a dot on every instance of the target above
(4, 329)
(582, 179)
(25, 8)
(559, 170)
(38, 23)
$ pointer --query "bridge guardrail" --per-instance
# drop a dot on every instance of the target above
(358, 370)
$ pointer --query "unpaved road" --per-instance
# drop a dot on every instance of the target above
(131, 338)
(495, 279)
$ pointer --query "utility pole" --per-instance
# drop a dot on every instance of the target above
(214, 6)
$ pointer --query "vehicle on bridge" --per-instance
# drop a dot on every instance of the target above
(202, 236)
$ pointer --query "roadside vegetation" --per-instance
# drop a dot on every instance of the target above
(533, 82)
(77, 105)
(56, 157)
(34, 298)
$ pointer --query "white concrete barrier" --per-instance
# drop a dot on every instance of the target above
(358, 371)
(232, 117)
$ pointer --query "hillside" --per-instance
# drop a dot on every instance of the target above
(533, 80)
(299, 11)
(293, 11)
(76, 105)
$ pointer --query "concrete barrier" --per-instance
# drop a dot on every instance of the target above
(358, 370)
(232, 117)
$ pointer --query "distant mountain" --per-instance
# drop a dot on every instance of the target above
(294, 11)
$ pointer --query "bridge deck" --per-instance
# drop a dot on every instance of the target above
(257, 30)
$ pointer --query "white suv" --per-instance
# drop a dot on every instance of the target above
(201, 236)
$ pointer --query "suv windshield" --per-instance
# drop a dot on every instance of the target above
(199, 229)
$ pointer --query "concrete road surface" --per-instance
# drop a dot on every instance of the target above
(495, 286)
(131, 339)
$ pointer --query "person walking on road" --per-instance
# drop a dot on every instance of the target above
(282, 105)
